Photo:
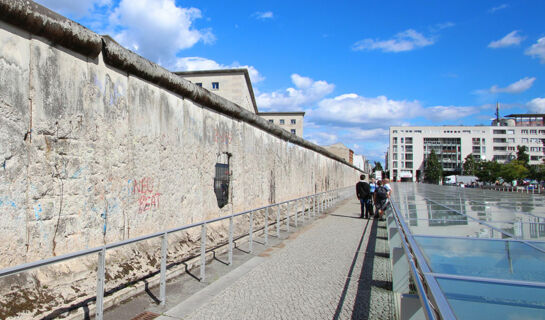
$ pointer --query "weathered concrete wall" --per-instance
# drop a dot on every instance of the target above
(101, 147)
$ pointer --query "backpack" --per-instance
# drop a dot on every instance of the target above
(382, 193)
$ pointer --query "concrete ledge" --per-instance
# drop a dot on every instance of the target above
(40, 21)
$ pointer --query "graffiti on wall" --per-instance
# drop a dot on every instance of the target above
(146, 191)
(222, 137)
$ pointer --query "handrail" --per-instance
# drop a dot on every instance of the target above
(318, 203)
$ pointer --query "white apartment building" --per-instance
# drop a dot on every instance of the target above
(409, 146)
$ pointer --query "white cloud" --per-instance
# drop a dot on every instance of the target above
(537, 105)
(77, 8)
(511, 39)
(361, 134)
(442, 113)
(306, 92)
(357, 110)
(264, 15)
(198, 63)
(537, 50)
(403, 41)
(158, 29)
(515, 87)
(322, 138)
(500, 7)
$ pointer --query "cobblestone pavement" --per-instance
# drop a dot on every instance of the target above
(336, 268)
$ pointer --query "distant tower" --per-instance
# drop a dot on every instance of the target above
(497, 112)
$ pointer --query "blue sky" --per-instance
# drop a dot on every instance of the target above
(355, 67)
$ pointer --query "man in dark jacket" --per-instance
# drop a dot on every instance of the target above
(363, 192)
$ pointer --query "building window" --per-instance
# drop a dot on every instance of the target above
(395, 164)
(401, 140)
(533, 131)
(500, 131)
(408, 156)
(394, 131)
(510, 148)
(281, 121)
(215, 85)
(409, 140)
(395, 140)
(524, 131)
(534, 158)
(524, 140)
(395, 156)
(483, 149)
(476, 149)
(511, 131)
(408, 165)
(271, 121)
(476, 141)
(199, 84)
(510, 139)
(500, 148)
(293, 131)
(409, 148)
(293, 121)
(541, 131)
(500, 140)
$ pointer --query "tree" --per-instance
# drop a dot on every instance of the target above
(514, 170)
(488, 171)
(537, 172)
(433, 171)
(470, 165)
(378, 166)
(522, 155)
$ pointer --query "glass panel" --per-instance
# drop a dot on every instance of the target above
(480, 300)
(483, 258)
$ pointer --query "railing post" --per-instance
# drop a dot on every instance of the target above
(303, 209)
(288, 216)
(278, 220)
(295, 207)
(251, 233)
(203, 251)
(99, 314)
(266, 226)
(230, 240)
(314, 202)
(163, 284)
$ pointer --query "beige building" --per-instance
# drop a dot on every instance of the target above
(290, 121)
(341, 151)
(231, 84)
(409, 146)
(235, 85)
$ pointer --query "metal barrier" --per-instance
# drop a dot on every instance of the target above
(318, 202)
(433, 301)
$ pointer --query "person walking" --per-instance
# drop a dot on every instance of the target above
(363, 192)
(373, 187)
(383, 199)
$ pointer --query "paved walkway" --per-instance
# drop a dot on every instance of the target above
(335, 268)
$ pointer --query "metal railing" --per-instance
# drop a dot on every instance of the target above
(432, 299)
(317, 203)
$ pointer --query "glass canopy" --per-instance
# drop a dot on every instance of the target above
(485, 249)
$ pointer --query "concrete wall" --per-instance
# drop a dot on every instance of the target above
(93, 155)
(97, 147)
